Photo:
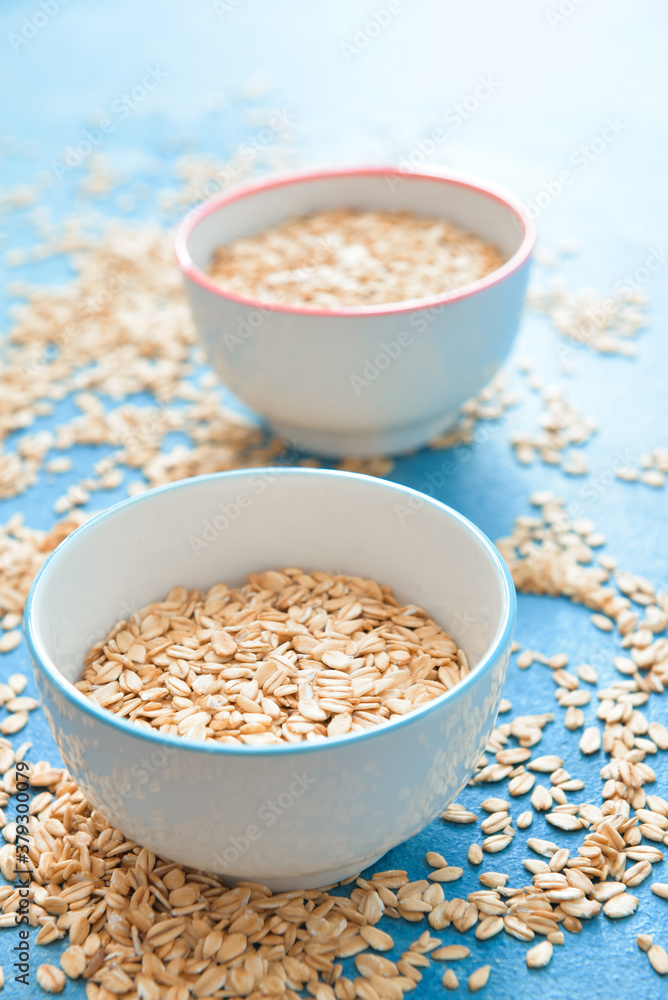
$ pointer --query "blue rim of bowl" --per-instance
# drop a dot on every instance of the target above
(68, 691)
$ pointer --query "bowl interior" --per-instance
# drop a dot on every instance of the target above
(259, 207)
(219, 528)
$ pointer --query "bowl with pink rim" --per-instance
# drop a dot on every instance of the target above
(288, 815)
(358, 380)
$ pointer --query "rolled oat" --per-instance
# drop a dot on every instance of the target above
(351, 258)
(289, 656)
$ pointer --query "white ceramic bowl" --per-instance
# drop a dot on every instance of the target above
(358, 380)
(295, 815)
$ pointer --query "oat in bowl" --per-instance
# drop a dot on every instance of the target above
(289, 813)
(288, 657)
(346, 257)
(344, 341)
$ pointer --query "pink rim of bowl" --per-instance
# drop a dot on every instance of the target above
(514, 206)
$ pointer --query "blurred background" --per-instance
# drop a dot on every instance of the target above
(515, 91)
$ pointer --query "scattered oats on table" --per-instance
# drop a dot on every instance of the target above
(562, 427)
(607, 323)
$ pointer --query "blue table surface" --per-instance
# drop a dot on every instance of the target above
(549, 78)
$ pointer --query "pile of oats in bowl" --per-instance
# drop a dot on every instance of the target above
(344, 258)
(288, 657)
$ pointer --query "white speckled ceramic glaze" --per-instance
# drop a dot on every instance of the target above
(359, 380)
(292, 816)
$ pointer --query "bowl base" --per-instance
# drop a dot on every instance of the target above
(314, 880)
(366, 444)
